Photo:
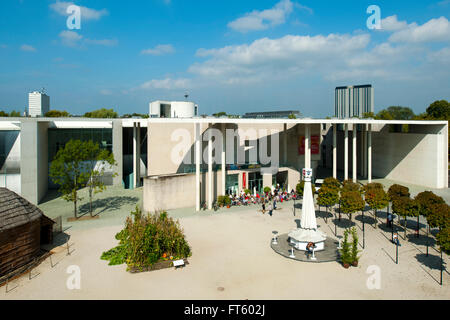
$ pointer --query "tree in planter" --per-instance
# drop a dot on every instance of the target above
(377, 199)
(345, 253)
(247, 191)
(327, 197)
(405, 207)
(301, 186)
(68, 170)
(223, 200)
(426, 200)
(351, 202)
(267, 190)
(354, 250)
(97, 161)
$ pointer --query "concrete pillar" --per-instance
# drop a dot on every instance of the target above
(267, 180)
(210, 170)
(117, 149)
(346, 152)
(354, 149)
(34, 160)
(335, 151)
(224, 175)
(307, 146)
(136, 155)
(369, 154)
(285, 144)
(197, 134)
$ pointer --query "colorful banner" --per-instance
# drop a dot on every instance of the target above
(315, 145)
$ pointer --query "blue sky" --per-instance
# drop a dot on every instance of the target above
(233, 56)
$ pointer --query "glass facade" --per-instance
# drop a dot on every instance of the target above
(57, 138)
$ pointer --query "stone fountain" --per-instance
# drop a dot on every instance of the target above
(308, 231)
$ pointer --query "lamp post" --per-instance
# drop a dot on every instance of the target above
(364, 231)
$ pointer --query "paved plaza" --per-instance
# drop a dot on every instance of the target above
(231, 250)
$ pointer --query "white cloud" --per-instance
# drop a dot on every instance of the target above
(268, 58)
(60, 7)
(70, 38)
(159, 50)
(392, 24)
(73, 39)
(441, 56)
(27, 48)
(261, 20)
(435, 30)
(167, 84)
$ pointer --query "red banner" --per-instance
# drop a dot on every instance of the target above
(315, 145)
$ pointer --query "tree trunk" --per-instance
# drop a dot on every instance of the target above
(405, 228)
(326, 214)
(75, 208)
(418, 226)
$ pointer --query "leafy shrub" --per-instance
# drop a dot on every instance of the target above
(345, 253)
(439, 217)
(354, 250)
(349, 185)
(372, 186)
(328, 196)
(405, 207)
(247, 191)
(426, 200)
(351, 202)
(443, 239)
(267, 190)
(223, 200)
(147, 239)
(377, 199)
(331, 182)
(398, 191)
(301, 186)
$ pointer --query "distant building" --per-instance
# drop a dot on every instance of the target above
(272, 114)
(173, 109)
(353, 101)
(38, 104)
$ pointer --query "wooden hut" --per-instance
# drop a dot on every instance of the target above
(23, 227)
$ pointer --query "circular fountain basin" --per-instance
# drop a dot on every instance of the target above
(301, 237)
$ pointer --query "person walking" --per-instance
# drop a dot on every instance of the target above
(263, 207)
(270, 208)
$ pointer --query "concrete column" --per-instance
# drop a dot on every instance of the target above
(210, 170)
(364, 151)
(136, 154)
(117, 149)
(346, 153)
(354, 148)
(267, 180)
(307, 146)
(224, 175)
(285, 144)
(197, 130)
(369, 154)
(34, 160)
(334, 151)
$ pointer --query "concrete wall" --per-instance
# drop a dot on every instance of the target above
(177, 191)
(416, 158)
(34, 160)
(10, 160)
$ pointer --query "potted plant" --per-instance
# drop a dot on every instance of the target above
(346, 257)
(354, 250)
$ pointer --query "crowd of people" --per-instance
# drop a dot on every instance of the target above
(268, 201)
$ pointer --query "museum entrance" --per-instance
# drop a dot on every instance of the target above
(255, 180)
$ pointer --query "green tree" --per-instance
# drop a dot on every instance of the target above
(102, 114)
(401, 113)
(368, 115)
(301, 186)
(220, 114)
(267, 189)
(354, 250)
(349, 185)
(327, 197)
(439, 110)
(370, 186)
(292, 116)
(397, 191)
(345, 252)
(377, 199)
(384, 115)
(15, 114)
(3, 114)
(68, 171)
(351, 202)
(57, 114)
(439, 217)
(443, 239)
(405, 207)
(97, 162)
(426, 200)
(331, 182)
